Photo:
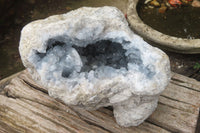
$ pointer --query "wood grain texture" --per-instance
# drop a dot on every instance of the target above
(26, 107)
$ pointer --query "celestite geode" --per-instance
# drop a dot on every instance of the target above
(90, 58)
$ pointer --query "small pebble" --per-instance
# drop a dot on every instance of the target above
(167, 4)
(162, 9)
(68, 8)
(151, 7)
(147, 1)
(196, 3)
(155, 3)
(175, 3)
(185, 1)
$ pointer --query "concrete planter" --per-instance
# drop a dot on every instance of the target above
(180, 45)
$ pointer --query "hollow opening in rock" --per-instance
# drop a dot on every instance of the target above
(102, 59)
(65, 60)
(102, 53)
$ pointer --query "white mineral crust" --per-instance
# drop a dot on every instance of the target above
(90, 58)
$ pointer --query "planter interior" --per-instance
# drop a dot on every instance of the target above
(154, 37)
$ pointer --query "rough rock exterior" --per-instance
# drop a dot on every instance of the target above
(90, 58)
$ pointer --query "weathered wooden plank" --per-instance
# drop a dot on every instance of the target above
(107, 121)
(6, 81)
(26, 107)
(179, 94)
(173, 119)
(182, 94)
(185, 82)
(179, 105)
(31, 116)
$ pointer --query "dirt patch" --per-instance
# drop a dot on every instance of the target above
(184, 64)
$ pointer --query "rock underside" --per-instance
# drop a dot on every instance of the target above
(90, 58)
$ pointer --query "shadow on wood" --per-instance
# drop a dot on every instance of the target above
(26, 107)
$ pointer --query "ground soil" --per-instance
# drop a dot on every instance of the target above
(184, 64)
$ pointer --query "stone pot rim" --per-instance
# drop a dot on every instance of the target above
(171, 43)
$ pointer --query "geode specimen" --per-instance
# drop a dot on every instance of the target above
(90, 58)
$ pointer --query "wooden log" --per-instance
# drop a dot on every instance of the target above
(26, 107)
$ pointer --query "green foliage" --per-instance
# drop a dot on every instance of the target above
(196, 66)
